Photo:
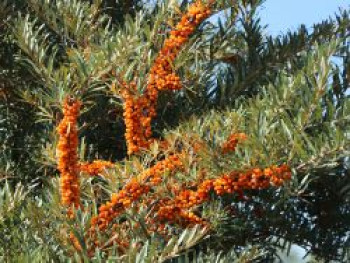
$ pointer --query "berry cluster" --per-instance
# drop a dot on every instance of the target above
(133, 190)
(139, 110)
(67, 153)
(95, 167)
(162, 76)
(170, 213)
(232, 141)
(138, 113)
(253, 179)
(177, 210)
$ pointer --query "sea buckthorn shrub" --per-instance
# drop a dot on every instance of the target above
(221, 179)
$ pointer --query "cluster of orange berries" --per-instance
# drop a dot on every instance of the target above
(133, 190)
(232, 141)
(162, 76)
(67, 153)
(67, 156)
(95, 167)
(176, 210)
(171, 213)
(139, 110)
(179, 210)
(253, 179)
(138, 114)
(167, 210)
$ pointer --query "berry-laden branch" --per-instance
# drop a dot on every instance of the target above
(68, 161)
(67, 157)
(139, 110)
(133, 190)
(232, 141)
(141, 191)
(95, 167)
(177, 209)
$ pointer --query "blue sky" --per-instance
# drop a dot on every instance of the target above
(281, 15)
